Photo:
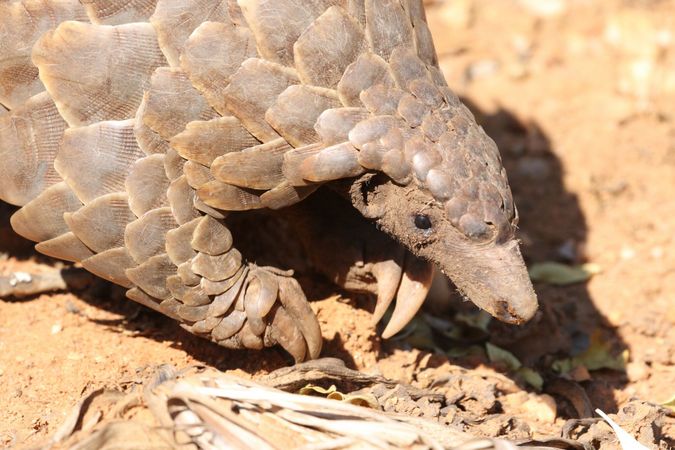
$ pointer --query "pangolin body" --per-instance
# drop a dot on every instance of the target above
(132, 132)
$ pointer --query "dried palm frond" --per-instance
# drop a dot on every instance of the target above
(208, 409)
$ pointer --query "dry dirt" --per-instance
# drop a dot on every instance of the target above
(580, 97)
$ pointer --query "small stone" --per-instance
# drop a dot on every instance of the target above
(544, 8)
(656, 252)
(543, 407)
(627, 253)
(637, 370)
(74, 356)
(670, 312)
(458, 14)
(56, 328)
(72, 308)
(514, 399)
(482, 69)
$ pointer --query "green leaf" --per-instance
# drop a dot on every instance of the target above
(459, 352)
(531, 377)
(561, 274)
(478, 319)
(670, 404)
(418, 334)
(499, 355)
(564, 365)
(597, 356)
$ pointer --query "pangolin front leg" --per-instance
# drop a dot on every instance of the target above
(215, 293)
(261, 307)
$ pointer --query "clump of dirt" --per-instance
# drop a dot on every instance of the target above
(580, 98)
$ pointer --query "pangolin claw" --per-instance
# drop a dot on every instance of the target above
(388, 275)
(415, 284)
(295, 303)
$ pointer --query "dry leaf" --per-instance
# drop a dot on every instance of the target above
(365, 400)
(561, 274)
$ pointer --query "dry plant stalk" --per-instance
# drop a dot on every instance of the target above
(207, 409)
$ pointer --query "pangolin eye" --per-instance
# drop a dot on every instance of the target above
(422, 221)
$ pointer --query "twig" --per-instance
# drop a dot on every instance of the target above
(24, 284)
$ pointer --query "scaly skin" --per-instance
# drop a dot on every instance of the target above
(137, 132)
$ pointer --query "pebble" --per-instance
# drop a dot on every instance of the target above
(72, 308)
(74, 356)
(544, 8)
(656, 252)
(542, 406)
(482, 69)
(627, 253)
(637, 370)
(458, 14)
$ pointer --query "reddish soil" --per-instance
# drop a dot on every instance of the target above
(580, 97)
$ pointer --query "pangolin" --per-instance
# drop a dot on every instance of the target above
(134, 133)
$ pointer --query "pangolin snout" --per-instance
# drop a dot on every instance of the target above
(505, 312)
(494, 278)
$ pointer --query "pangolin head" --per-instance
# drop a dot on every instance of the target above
(438, 186)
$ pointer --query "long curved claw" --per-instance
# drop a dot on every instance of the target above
(260, 297)
(415, 284)
(295, 303)
(284, 331)
(261, 294)
(388, 275)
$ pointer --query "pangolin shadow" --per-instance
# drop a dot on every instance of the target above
(553, 227)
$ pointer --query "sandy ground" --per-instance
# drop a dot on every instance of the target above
(580, 97)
